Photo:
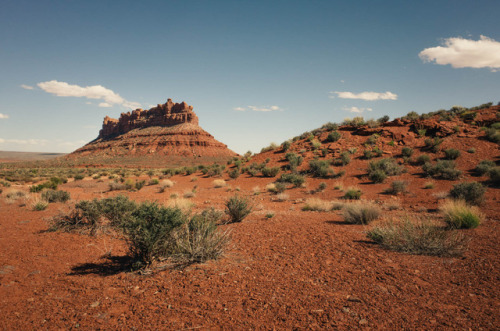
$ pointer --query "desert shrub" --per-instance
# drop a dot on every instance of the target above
(14, 194)
(321, 186)
(494, 174)
(47, 185)
(316, 143)
(353, 193)
(418, 236)
(442, 169)
(271, 147)
(458, 215)
(355, 122)
(330, 126)
(279, 188)
(235, 173)
(149, 231)
(219, 183)
(79, 177)
(320, 168)
(472, 192)
(270, 172)
(154, 181)
(377, 176)
(484, 167)
(295, 179)
(55, 196)
(412, 116)
(383, 119)
(372, 140)
(238, 208)
(189, 194)
(294, 160)
(167, 183)
(333, 136)
(367, 154)
(39, 204)
(315, 204)
(139, 184)
(493, 135)
(199, 240)
(397, 186)
(407, 151)
(451, 154)
(114, 186)
(360, 213)
(282, 197)
(345, 158)
(423, 159)
(471, 150)
(286, 145)
(433, 144)
(388, 166)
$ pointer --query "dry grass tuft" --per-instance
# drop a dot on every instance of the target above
(360, 212)
(183, 204)
(315, 204)
(415, 235)
(219, 183)
(457, 214)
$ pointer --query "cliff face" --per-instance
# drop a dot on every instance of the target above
(168, 114)
(164, 133)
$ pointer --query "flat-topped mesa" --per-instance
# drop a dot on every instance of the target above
(168, 114)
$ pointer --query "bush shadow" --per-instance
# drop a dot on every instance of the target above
(111, 265)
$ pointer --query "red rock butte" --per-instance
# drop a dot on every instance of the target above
(168, 133)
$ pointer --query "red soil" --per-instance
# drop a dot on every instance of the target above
(296, 270)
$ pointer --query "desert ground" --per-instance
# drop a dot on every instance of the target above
(285, 267)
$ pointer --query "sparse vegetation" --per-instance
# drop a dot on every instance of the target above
(451, 154)
(238, 208)
(458, 215)
(333, 136)
(397, 186)
(360, 213)
(353, 193)
(55, 196)
(407, 151)
(418, 236)
(443, 169)
(315, 204)
(472, 192)
(219, 183)
(484, 167)
(295, 179)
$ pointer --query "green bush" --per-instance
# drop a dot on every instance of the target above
(451, 154)
(199, 240)
(79, 177)
(353, 194)
(494, 174)
(286, 145)
(49, 185)
(423, 159)
(360, 213)
(294, 160)
(493, 135)
(458, 215)
(345, 158)
(484, 167)
(367, 154)
(295, 179)
(472, 192)
(238, 208)
(55, 196)
(149, 231)
(154, 181)
(235, 173)
(397, 186)
(419, 236)
(270, 172)
(139, 184)
(407, 151)
(442, 169)
(320, 168)
(433, 144)
(377, 176)
(333, 136)
(387, 166)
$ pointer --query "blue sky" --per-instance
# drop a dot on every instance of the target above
(255, 72)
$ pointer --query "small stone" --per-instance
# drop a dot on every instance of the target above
(95, 304)
(363, 322)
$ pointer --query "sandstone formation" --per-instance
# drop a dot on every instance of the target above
(168, 133)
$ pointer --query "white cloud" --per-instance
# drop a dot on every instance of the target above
(265, 108)
(63, 89)
(368, 96)
(463, 53)
(26, 87)
(239, 109)
(3, 116)
(357, 110)
(105, 105)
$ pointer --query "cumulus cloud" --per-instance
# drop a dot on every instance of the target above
(368, 96)
(3, 116)
(357, 110)
(27, 87)
(105, 105)
(264, 108)
(63, 89)
(463, 53)
(259, 108)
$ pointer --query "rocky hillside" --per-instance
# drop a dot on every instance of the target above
(168, 134)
